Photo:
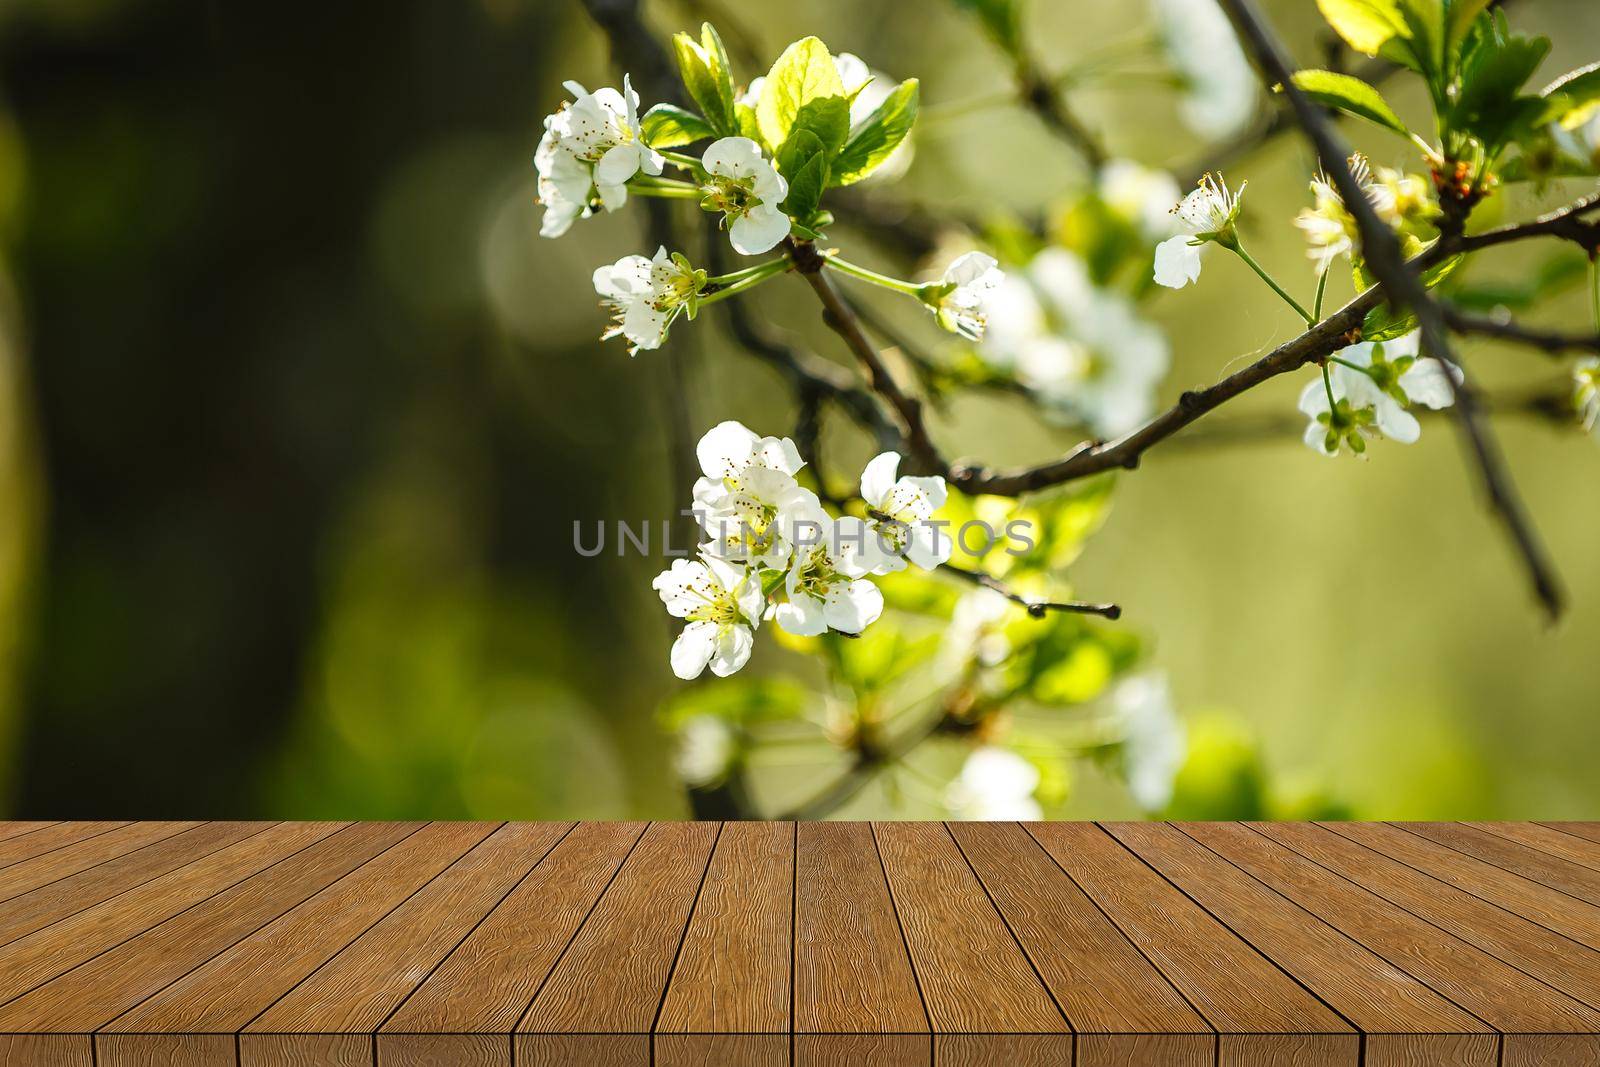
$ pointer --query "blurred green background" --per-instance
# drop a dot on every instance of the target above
(297, 412)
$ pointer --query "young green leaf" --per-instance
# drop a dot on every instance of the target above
(1494, 67)
(1460, 17)
(803, 73)
(826, 117)
(1351, 95)
(878, 135)
(803, 161)
(703, 66)
(1365, 25)
(668, 126)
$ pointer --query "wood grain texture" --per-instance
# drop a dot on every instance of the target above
(1550, 908)
(1574, 849)
(42, 906)
(613, 976)
(92, 994)
(61, 863)
(1589, 831)
(733, 972)
(1405, 1020)
(1548, 956)
(1261, 1015)
(9, 830)
(55, 949)
(1508, 999)
(233, 987)
(359, 988)
(486, 984)
(1570, 878)
(49, 838)
(852, 972)
(973, 975)
(1119, 1005)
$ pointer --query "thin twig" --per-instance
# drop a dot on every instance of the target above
(1550, 342)
(1383, 255)
(1036, 608)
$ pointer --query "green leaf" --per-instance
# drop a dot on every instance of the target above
(703, 66)
(1383, 323)
(828, 119)
(1425, 27)
(878, 135)
(1001, 20)
(1459, 18)
(668, 126)
(746, 116)
(802, 74)
(1350, 95)
(803, 161)
(1365, 25)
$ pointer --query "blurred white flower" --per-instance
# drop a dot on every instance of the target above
(1154, 742)
(706, 750)
(957, 298)
(722, 602)
(994, 784)
(899, 526)
(1586, 392)
(977, 627)
(1372, 393)
(1141, 195)
(743, 185)
(826, 585)
(1207, 214)
(1581, 140)
(1219, 86)
(645, 296)
(589, 150)
(747, 494)
(1084, 351)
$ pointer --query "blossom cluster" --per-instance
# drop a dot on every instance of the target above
(1404, 201)
(770, 549)
(1366, 391)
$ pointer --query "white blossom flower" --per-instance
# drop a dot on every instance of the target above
(994, 784)
(722, 602)
(1404, 201)
(743, 185)
(589, 150)
(977, 627)
(826, 584)
(646, 295)
(1580, 139)
(1219, 87)
(1371, 395)
(957, 298)
(1141, 195)
(1084, 351)
(748, 493)
(901, 510)
(706, 750)
(1154, 742)
(1206, 214)
(1586, 392)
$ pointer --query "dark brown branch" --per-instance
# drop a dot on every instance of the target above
(1549, 342)
(1567, 223)
(1404, 287)
(1036, 608)
(842, 320)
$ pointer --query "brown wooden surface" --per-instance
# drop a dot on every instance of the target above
(494, 945)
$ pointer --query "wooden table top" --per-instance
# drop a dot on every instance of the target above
(493, 944)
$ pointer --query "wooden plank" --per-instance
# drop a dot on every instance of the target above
(1570, 967)
(485, 984)
(1589, 831)
(613, 977)
(1122, 1009)
(1573, 849)
(9, 830)
(49, 838)
(1262, 1016)
(973, 975)
(55, 949)
(1519, 1006)
(1405, 1021)
(20, 878)
(1550, 908)
(728, 997)
(1541, 867)
(42, 906)
(233, 987)
(327, 1017)
(92, 994)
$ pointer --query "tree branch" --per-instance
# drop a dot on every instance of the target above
(1036, 608)
(1549, 342)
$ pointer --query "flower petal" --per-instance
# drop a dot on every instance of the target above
(1177, 262)
(733, 647)
(802, 616)
(693, 649)
(732, 157)
(879, 477)
(759, 231)
(1396, 423)
(620, 163)
(853, 607)
(726, 449)
(1425, 382)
